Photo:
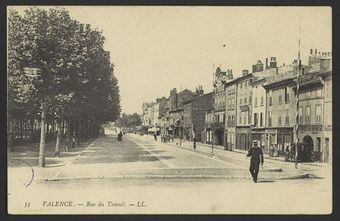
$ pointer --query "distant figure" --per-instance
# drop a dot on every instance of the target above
(194, 139)
(120, 136)
(292, 153)
(287, 154)
(155, 136)
(256, 155)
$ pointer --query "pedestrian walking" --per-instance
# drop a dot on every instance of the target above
(256, 155)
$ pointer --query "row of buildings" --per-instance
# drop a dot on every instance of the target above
(264, 104)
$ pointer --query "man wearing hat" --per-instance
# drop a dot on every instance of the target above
(256, 155)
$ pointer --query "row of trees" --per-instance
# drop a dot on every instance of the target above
(129, 120)
(59, 74)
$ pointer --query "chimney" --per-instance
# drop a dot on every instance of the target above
(259, 66)
(311, 51)
(266, 63)
(245, 72)
(254, 68)
(273, 62)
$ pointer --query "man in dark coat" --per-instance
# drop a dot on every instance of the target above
(256, 155)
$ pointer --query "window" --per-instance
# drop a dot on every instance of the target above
(241, 85)
(245, 84)
(280, 99)
(255, 119)
(240, 120)
(261, 119)
(270, 98)
(318, 114)
(307, 94)
(250, 99)
(228, 123)
(279, 120)
(232, 119)
(261, 100)
(244, 118)
(287, 116)
(269, 118)
(300, 115)
(245, 100)
(240, 101)
(287, 95)
(249, 118)
(307, 110)
(255, 101)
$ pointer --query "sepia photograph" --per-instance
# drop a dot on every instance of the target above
(169, 110)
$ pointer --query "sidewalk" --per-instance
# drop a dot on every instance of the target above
(313, 169)
(26, 157)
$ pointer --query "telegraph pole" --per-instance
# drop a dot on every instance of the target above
(296, 128)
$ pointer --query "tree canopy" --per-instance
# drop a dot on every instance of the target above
(76, 75)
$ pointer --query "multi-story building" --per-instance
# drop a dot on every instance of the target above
(315, 103)
(176, 111)
(194, 114)
(230, 110)
(207, 134)
(221, 77)
(259, 102)
(280, 103)
(243, 110)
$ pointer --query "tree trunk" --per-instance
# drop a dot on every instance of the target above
(57, 144)
(20, 128)
(68, 131)
(11, 136)
(42, 135)
(63, 128)
(78, 132)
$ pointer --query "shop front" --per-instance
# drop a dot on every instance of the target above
(278, 140)
(230, 138)
(243, 138)
(311, 137)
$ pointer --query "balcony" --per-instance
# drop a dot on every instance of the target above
(244, 108)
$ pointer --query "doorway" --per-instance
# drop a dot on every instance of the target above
(307, 149)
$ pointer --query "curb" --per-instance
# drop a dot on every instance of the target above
(302, 176)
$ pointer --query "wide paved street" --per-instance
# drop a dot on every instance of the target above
(140, 175)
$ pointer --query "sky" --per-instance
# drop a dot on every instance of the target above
(157, 48)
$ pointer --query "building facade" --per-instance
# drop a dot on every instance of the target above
(194, 115)
(315, 113)
(280, 101)
(230, 111)
(243, 111)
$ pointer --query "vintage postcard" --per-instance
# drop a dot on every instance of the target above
(169, 110)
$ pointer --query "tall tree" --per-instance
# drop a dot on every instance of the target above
(77, 80)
